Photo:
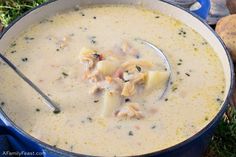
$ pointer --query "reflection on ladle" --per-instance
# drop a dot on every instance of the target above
(48, 101)
(163, 58)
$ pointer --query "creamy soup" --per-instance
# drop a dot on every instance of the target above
(108, 85)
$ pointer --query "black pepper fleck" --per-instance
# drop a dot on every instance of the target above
(82, 14)
(37, 110)
(2, 103)
(127, 100)
(131, 133)
(219, 100)
(14, 51)
(187, 74)
(89, 119)
(56, 111)
(93, 41)
(24, 59)
(94, 17)
(96, 101)
(166, 99)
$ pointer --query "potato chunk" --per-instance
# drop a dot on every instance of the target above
(156, 79)
(111, 101)
(107, 67)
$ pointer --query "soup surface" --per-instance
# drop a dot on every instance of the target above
(109, 85)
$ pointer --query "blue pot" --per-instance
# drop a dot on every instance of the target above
(14, 139)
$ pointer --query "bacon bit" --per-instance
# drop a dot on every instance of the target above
(40, 81)
(54, 66)
(137, 127)
(101, 57)
(153, 110)
(116, 113)
(119, 73)
(139, 143)
(108, 79)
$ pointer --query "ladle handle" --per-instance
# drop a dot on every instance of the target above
(28, 81)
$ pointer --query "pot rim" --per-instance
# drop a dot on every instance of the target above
(189, 140)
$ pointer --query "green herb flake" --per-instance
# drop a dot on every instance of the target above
(13, 44)
(174, 89)
(28, 38)
(138, 68)
(65, 74)
(153, 127)
(187, 74)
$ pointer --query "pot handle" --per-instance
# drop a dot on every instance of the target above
(13, 142)
(204, 9)
(2, 123)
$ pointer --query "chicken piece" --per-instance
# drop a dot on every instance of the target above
(89, 56)
(119, 73)
(119, 82)
(128, 49)
(93, 76)
(128, 89)
(140, 78)
(95, 89)
(130, 110)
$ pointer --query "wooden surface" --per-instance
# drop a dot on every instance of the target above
(231, 4)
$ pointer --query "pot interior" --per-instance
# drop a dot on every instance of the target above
(58, 6)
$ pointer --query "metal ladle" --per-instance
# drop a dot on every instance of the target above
(165, 62)
(48, 101)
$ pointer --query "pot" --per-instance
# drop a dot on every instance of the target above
(14, 140)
